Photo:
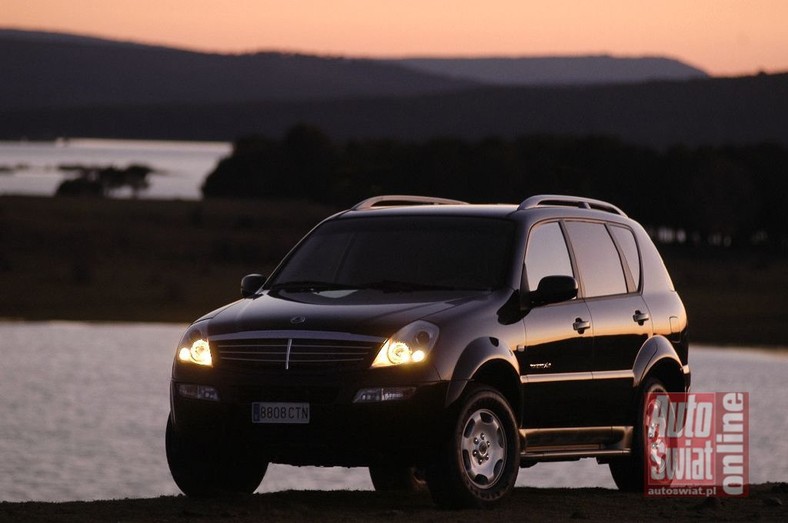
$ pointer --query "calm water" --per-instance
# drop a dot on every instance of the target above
(181, 166)
(83, 408)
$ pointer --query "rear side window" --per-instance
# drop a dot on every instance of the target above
(597, 259)
(547, 254)
(629, 248)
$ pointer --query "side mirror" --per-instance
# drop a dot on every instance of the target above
(250, 284)
(554, 289)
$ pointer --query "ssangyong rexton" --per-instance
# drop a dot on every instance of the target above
(436, 343)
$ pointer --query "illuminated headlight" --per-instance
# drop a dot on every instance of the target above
(199, 353)
(410, 344)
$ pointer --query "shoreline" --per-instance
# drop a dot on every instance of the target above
(173, 261)
(766, 502)
(701, 345)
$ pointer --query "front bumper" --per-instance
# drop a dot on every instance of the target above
(340, 432)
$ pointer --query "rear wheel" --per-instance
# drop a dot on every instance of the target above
(387, 478)
(629, 473)
(203, 469)
(479, 464)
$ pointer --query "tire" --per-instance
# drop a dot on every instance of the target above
(202, 470)
(629, 473)
(397, 478)
(479, 463)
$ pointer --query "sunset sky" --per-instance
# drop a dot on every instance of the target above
(724, 37)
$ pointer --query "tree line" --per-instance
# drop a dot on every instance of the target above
(720, 195)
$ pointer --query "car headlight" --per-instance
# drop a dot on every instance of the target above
(198, 353)
(410, 344)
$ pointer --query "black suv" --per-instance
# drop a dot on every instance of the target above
(438, 343)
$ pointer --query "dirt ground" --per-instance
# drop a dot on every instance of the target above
(766, 502)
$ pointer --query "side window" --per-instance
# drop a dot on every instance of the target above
(547, 254)
(629, 248)
(597, 259)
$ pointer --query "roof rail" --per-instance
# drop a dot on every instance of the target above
(569, 201)
(391, 200)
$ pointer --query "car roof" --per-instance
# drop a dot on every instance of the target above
(536, 207)
(478, 210)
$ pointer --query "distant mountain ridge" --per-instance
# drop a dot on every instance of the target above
(557, 70)
(49, 36)
(82, 87)
(48, 70)
(55, 70)
(716, 111)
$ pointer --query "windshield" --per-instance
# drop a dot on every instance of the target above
(406, 253)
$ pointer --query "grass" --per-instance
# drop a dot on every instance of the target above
(145, 260)
(172, 261)
(732, 297)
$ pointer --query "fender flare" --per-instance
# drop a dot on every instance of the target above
(479, 353)
(657, 350)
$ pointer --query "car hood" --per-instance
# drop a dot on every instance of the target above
(369, 312)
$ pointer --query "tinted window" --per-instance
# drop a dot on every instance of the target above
(597, 259)
(629, 248)
(463, 253)
(547, 254)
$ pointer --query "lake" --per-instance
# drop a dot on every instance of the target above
(84, 405)
(31, 168)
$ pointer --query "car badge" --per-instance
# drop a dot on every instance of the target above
(297, 319)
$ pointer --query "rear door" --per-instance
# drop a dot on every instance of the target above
(608, 262)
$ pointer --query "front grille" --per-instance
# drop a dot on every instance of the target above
(293, 353)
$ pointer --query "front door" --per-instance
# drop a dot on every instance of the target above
(556, 358)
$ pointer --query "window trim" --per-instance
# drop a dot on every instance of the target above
(526, 284)
(632, 285)
(628, 280)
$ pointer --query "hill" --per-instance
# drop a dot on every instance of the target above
(50, 70)
(715, 111)
(556, 70)
(54, 70)
(59, 85)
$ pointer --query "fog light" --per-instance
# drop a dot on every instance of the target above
(379, 394)
(198, 392)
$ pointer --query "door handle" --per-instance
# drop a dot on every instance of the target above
(640, 317)
(580, 325)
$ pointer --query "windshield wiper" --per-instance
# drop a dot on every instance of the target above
(310, 286)
(404, 286)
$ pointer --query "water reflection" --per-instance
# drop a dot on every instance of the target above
(84, 407)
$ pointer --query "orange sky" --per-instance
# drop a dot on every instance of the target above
(721, 36)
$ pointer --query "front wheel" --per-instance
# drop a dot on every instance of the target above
(202, 469)
(479, 464)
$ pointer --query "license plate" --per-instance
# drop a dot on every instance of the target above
(267, 412)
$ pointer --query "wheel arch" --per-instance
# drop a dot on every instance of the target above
(659, 359)
(656, 359)
(490, 362)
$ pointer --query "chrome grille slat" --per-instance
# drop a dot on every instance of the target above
(290, 353)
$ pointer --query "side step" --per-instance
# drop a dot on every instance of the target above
(569, 444)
